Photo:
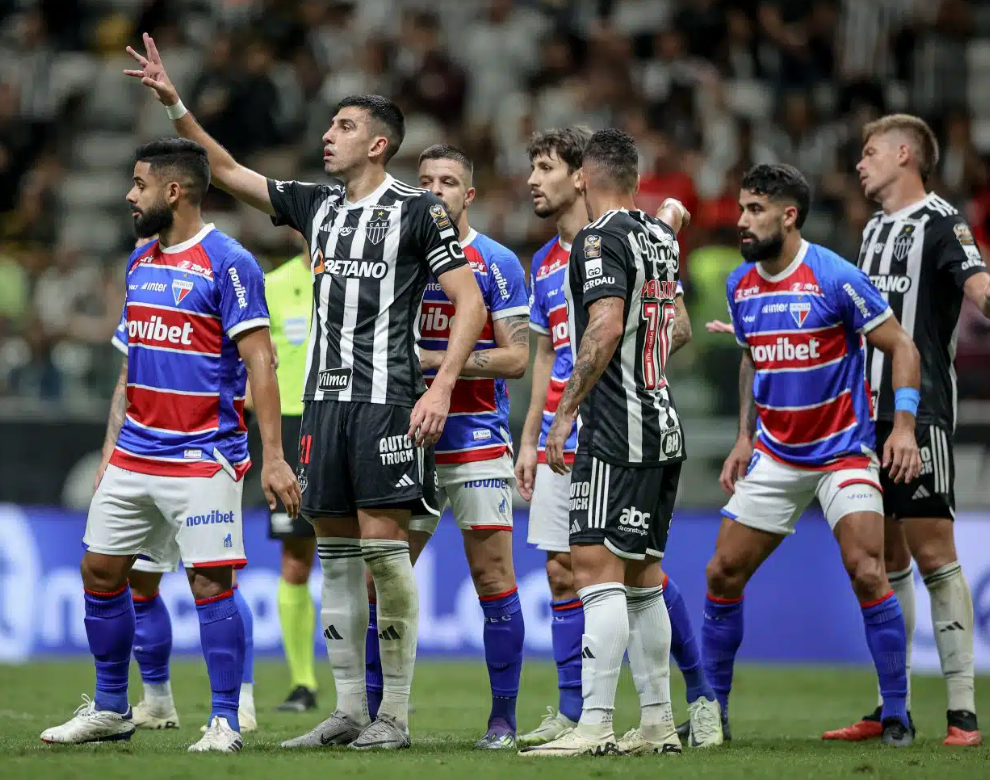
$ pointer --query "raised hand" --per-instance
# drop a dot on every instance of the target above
(152, 73)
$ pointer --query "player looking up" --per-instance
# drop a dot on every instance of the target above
(621, 291)
(801, 314)
(474, 454)
(374, 242)
(556, 158)
(919, 251)
(176, 446)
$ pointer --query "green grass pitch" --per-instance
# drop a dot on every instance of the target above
(777, 717)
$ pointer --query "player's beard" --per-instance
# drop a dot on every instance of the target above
(762, 248)
(155, 219)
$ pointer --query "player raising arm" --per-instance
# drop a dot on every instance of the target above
(369, 423)
(802, 315)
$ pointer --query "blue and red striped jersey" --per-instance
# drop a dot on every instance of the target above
(805, 329)
(477, 426)
(548, 316)
(185, 379)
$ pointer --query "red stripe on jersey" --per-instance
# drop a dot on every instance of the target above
(472, 396)
(239, 409)
(434, 321)
(797, 350)
(802, 280)
(194, 260)
(476, 259)
(176, 412)
(474, 455)
(559, 331)
(171, 329)
(803, 426)
(848, 462)
(541, 456)
(554, 392)
(164, 468)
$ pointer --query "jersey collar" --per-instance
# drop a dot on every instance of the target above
(563, 244)
(373, 197)
(794, 265)
(188, 243)
(471, 236)
(909, 209)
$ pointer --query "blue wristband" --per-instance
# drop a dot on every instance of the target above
(906, 399)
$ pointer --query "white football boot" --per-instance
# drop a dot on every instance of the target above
(552, 726)
(89, 724)
(219, 738)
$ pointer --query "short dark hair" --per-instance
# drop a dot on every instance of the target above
(448, 152)
(567, 143)
(780, 182)
(614, 151)
(383, 111)
(181, 160)
(925, 141)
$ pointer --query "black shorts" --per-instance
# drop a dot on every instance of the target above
(355, 455)
(280, 525)
(930, 495)
(626, 509)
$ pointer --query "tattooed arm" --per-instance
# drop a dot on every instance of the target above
(681, 334)
(118, 409)
(508, 359)
(598, 344)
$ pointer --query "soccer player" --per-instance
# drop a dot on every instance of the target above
(365, 459)
(801, 314)
(919, 252)
(556, 159)
(621, 293)
(474, 454)
(176, 446)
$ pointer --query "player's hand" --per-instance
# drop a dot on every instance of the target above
(735, 465)
(277, 480)
(430, 359)
(901, 455)
(717, 326)
(556, 439)
(526, 471)
(674, 214)
(100, 471)
(152, 73)
(428, 417)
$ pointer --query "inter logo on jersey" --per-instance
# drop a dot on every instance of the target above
(180, 289)
(799, 311)
(377, 226)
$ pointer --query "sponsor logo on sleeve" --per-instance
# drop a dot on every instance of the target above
(592, 246)
(239, 289)
(439, 216)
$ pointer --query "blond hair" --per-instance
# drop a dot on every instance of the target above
(923, 138)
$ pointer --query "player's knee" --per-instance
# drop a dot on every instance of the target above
(560, 577)
(935, 551)
(297, 563)
(103, 573)
(726, 579)
(210, 583)
(144, 584)
(867, 574)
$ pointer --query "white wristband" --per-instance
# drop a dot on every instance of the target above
(177, 111)
(672, 202)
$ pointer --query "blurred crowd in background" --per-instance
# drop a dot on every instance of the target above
(707, 87)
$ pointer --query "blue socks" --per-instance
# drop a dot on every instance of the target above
(721, 636)
(566, 631)
(152, 638)
(504, 634)
(221, 632)
(374, 680)
(683, 646)
(887, 640)
(110, 630)
(248, 620)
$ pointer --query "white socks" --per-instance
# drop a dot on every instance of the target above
(344, 614)
(902, 583)
(952, 620)
(649, 657)
(606, 636)
(159, 695)
(398, 621)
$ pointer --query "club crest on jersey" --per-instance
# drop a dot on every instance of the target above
(800, 311)
(439, 215)
(592, 246)
(377, 226)
(180, 289)
(903, 243)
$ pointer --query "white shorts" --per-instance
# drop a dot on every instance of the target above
(549, 511)
(163, 518)
(772, 495)
(479, 495)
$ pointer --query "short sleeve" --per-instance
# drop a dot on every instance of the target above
(730, 298)
(860, 304)
(435, 236)
(506, 287)
(119, 337)
(242, 294)
(600, 264)
(539, 318)
(295, 202)
(955, 249)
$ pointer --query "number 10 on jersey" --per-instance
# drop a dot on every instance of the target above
(659, 319)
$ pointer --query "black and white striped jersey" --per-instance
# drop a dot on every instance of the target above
(919, 258)
(371, 262)
(628, 417)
